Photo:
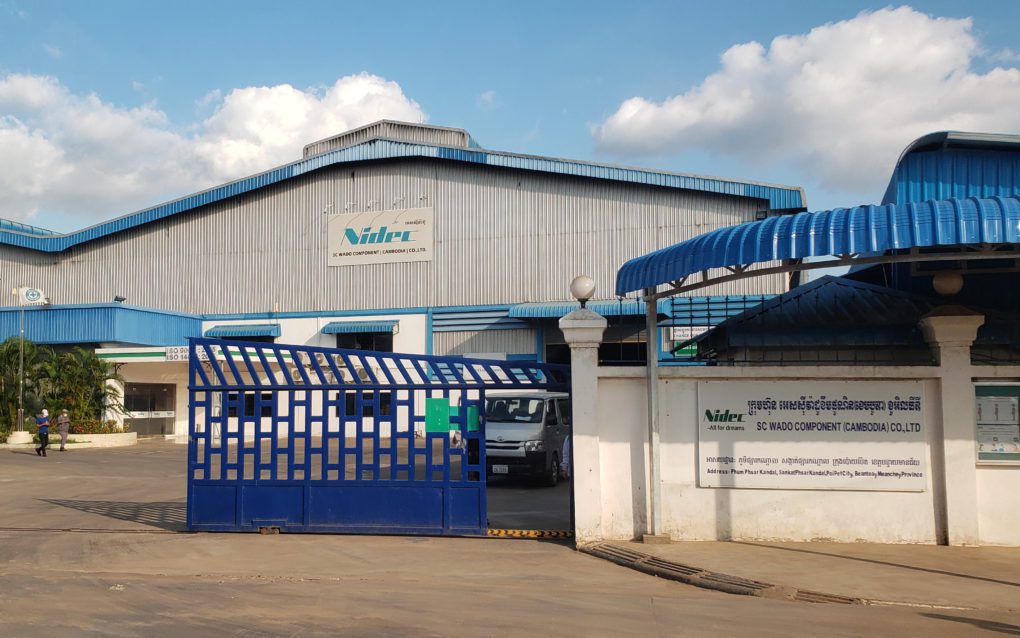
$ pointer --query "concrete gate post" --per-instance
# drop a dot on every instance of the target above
(951, 331)
(583, 330)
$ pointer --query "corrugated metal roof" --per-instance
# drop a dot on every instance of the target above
(244, 330)
(778, 197)
(18, 227)
(604, 307)
(101, 323)
(358, 327)
(948, 164)
(864, 229)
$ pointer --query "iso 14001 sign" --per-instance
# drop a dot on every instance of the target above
(180, 353)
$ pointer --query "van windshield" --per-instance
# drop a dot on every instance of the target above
(519, 410)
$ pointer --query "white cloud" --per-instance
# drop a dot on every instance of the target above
(487, 100)
(1007, 55)
(838, 103)
(53, 51)
(82, 157)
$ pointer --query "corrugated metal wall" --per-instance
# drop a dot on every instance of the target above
(506, 341)
(502, 236)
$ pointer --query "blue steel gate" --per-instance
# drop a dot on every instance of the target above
(308, 439)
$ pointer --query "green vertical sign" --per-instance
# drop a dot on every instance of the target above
(437, 415)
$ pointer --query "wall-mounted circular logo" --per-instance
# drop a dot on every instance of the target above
(31, 294)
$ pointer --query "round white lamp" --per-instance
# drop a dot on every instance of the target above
(947, 283)
(582, 287)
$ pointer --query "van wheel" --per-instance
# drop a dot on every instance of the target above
(552, 475)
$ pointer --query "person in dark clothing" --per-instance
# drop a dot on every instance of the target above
(43, 423)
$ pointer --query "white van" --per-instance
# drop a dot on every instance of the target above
(524, 434)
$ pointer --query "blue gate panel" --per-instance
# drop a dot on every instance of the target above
(325, 440)
(278, 503)
(377, 506)
(465, 505)
(213, 505)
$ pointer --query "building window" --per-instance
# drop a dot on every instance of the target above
(248, 408)
(374, 341)
(351, 404)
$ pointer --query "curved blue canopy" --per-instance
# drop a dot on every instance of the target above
(843, 231)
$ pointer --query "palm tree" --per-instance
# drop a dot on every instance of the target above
(9, 380)
(76, 381)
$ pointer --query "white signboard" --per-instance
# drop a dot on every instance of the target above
(380, 237)
(853, 435)
(180, 353)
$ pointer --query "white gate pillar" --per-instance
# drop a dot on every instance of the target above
(951, 331)
(583, 330)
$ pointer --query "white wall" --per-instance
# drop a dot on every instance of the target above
(694, 513)
(999, 504)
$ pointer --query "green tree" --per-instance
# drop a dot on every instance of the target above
(34, 358)
(76, 381)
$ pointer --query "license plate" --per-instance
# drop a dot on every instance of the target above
(500, 469)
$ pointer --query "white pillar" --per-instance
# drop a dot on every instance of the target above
(951, 331)
(583, 330)
(110, 411)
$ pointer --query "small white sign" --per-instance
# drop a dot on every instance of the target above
(851, 435)
(380, 237)
(181, 353)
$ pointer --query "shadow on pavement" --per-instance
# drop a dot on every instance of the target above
(987, 625)
(881, 562)
(169, 516)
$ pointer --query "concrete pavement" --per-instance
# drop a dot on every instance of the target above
(924, 575)
(128, 571)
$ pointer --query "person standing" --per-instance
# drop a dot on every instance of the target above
(63, 428)
(43, 423)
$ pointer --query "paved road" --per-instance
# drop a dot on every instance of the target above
(133, 575)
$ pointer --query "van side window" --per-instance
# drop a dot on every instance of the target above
(563, 405)
(550, 414)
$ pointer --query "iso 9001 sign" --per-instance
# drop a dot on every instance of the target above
(180, 353)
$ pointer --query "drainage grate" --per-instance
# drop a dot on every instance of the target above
(807, 596)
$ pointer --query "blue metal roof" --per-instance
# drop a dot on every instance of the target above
(952, 164)
(358, 327)
(101, 323)
(864, 229)
(245, 330)
(604, 307)
(778, 197)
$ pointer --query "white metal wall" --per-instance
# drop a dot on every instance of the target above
(505, 341)
(502, 236)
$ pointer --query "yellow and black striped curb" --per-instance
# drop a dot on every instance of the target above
(530, 533)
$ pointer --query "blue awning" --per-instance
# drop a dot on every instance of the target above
(244, 330)
(358, 327)
(864, 229)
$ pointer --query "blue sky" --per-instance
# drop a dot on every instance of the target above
(108, 107)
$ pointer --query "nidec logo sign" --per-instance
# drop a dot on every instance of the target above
(718, 416)
(370, 235)
(380, 237)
